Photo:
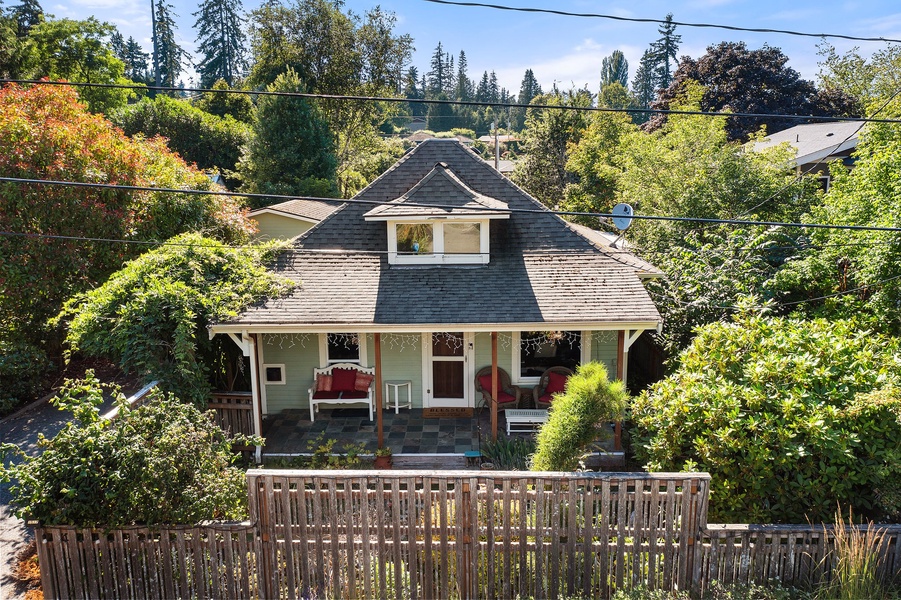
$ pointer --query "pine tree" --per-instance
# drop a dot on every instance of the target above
(494, 92)
(644, 85)
(464, 86)
(438, 75)
(615, 69)
(136, 61)
(664, 50)
(482, 93)
(27, 14)
(170, 58)
(414, 91)
(221, 41)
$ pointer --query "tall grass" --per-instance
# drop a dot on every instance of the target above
(855, 561)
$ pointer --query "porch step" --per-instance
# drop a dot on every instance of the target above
(443, 462)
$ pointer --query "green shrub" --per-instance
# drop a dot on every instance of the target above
(789, 417)
(576, 418)
(509, 454)
(22, 370)
(163, 462)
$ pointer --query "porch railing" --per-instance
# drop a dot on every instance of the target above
(234, 411)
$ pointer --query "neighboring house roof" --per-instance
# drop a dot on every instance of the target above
(816, 142)
(540, 269)
(504, 166)
(440, 193)
(501, 139)
(307, 210)
(604, 241)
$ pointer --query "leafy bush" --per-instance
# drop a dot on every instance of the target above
(163, 462)
(509, 454)
(151, 316)
(22, 369)
(209, 141)
(576, 418)
(788, 416)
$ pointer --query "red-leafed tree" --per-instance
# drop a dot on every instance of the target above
(46, 133)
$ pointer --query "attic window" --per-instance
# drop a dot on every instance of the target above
(446, 241)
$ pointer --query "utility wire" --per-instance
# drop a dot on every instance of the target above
(472, 103)
(661, 21)
(474, 209)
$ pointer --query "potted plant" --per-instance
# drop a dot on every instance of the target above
(383, 458)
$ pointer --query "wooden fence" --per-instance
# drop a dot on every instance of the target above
(797, 555)
(234, 411)
(217, 560)
(406, 534)
(450, 534)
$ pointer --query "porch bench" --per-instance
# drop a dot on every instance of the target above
(524, 419)
(345, 392)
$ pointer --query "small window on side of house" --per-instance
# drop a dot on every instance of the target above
(274, 374)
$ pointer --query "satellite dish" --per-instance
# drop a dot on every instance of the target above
(622, 216)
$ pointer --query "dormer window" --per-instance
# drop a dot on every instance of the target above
(440, 220)
(438, 242)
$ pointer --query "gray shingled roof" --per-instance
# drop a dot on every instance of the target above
(815, 141)
(314, 210)
(540, 271)
(603, 241)
(440, 193)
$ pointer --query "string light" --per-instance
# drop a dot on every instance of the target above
(454, 342)
(350, 341)
(536, 341)
(291, 339)
(401, 341)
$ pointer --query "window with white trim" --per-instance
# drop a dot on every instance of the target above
(342, 348)
(274, 374)
(449, 241)
(536, 351)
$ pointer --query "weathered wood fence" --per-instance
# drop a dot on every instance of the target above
(452, 534)
(234, 411)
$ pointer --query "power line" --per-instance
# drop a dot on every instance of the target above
(661, 21)
(471, 103)
(474, 209)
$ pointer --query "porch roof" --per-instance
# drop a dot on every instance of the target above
(540, 271)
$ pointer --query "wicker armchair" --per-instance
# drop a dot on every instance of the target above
(508, 396)
(540, 394)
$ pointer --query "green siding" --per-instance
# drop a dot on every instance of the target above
(299, 360)
(401, 364)
(604, 349)
(277, 227)
(483, 351)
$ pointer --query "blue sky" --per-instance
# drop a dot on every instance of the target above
(567, 50)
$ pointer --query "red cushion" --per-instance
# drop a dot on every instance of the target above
(323, 383)
(504, 397)
(362, 381)
(326, 395)
(555, 383)
(547, 398)
(485, 382)
(354, 395)
(343, 380)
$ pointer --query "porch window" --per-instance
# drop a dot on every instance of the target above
(342, 347)
(540, 350)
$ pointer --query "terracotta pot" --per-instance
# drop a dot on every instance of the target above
(382, 462)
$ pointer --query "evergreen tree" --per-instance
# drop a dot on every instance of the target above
(494, 92)
(221, 41)
(170, 56)
(292, 150)
(27, 14)
(664, 50)
(464, 85)
(414, 91)
(132, 55)
(643, 85)
(482, 93)
(528, 89)
(440, 117)
(437, 76)
(615, 69)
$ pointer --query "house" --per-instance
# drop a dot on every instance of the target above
(439, 268)
(288, 220)
(817, 145)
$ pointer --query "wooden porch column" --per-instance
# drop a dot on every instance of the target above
(621, 375)
(494, 385)
(378, 387)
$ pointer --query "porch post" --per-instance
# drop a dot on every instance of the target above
(494, 385)
(378, 387)
(255, 387)
(621, 375)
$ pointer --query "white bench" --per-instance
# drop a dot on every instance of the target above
(342, 397)
(523, 419)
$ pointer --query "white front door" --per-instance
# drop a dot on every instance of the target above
(447, 369)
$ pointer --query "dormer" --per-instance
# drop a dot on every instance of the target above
(439, 221)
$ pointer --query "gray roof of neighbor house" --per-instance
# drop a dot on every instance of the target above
(312, 210)
(540, 269)
(816, 141)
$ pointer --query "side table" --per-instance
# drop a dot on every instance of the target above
(396, 384)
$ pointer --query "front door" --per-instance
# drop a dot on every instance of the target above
(448, 367)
